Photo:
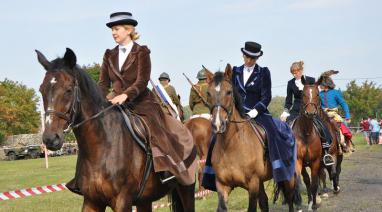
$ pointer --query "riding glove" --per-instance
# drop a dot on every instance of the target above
(252, 113)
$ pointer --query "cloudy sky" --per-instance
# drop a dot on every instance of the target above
(327, 34)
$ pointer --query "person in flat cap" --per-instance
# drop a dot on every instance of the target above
(125, 73)
(331, 100)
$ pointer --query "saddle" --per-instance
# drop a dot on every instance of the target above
(261, 135)
(140, 133)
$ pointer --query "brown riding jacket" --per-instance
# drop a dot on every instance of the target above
(171, 143)
(131, 80)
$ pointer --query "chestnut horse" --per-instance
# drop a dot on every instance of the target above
(111, 163)
(309, 148)
(201, 131)
(238, 156)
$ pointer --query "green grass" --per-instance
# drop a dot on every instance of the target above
(31, 173)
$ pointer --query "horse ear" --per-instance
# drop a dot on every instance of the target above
(209, 74)
(228, 71)
(43, 61)
(319, 81)
(70, 58)
(303, 81)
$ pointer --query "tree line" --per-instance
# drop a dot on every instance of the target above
(19, 104)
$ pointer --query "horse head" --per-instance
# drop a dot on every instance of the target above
(311, 98)
(60, 95)
(220, 98)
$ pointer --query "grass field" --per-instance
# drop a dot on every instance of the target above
(31, 173)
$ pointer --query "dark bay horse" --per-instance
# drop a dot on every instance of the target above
(201, 131)
(238, 157)
(111, 163)
(309, 148)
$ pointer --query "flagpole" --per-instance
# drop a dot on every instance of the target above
(42, 115)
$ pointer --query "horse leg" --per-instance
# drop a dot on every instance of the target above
(145, 208)
(315, 168)
(306, 178)
(123, 202)
(298, 198)
(336, 178)
(90, 206)
(186, 194)
(263, 198)
(254, 188)
(200, 175)
(324, 189)
(223, 193)
(289, 190)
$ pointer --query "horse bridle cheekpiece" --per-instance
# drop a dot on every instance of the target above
(219, 105)
(71, 115)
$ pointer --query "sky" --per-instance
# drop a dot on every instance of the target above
(343, 35)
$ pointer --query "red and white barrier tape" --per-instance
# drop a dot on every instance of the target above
(31, 191)
(59, 187)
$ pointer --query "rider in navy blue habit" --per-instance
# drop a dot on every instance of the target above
(253, 84)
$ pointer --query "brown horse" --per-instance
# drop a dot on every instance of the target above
(111, 163)
(238, 157)
(201, 131)
(309, 149)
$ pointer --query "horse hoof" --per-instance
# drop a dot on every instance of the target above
(336, 191)
(318, 200)
(325, 195)
(310, 204)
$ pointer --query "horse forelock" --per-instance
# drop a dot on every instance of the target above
(87, 85)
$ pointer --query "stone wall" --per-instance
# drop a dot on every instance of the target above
(23, 140)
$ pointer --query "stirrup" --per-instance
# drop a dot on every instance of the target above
(330, 158)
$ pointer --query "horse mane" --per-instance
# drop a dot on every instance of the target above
(219, 78)
(87, 85)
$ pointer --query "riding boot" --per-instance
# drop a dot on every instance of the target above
(166, 177)
(328, 159)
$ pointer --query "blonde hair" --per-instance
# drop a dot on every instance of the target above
(297, 66)
(134, 35)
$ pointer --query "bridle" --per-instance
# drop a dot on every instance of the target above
(71, 115)
(315, 105)
(229, 111)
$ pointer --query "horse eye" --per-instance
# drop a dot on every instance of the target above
(69, 91)
(229, 93)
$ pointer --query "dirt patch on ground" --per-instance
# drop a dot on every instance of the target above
(360, 182)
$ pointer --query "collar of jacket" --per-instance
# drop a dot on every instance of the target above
(113, 60)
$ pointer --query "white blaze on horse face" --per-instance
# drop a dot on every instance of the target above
(310, 94)
(217, 88)
(53, 81)
(217, 119)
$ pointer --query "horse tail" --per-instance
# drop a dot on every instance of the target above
(285, 189)
(176, 202)
(276, 191)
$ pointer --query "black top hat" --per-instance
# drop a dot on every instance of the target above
(252, 49)
(121, 18)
